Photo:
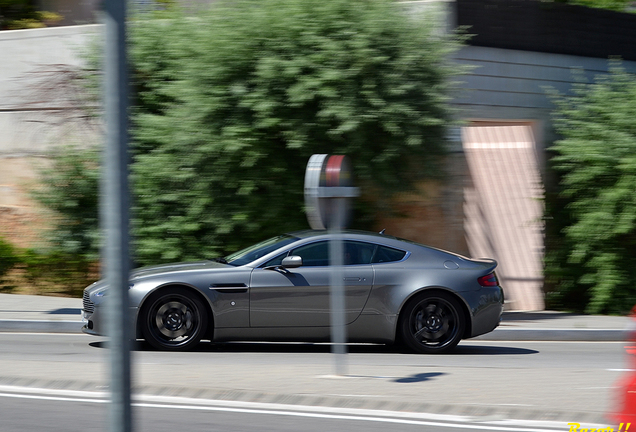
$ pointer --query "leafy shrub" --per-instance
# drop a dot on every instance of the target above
(8, 259)
(229, 107)
(591, 254)
(22, 14)
(70, 189)
(58, 273)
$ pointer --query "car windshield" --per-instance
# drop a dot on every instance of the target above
(259, 250)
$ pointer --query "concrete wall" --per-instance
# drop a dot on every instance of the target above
(30, 123)
(26, 57)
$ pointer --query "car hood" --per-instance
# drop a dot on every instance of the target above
(164, 269)
(175, 268)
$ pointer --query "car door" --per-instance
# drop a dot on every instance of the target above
(299, 297)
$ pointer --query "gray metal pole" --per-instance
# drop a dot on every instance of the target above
(338, 329)
(114, 213)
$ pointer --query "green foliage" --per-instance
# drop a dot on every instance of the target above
(70, 189)
(615, 5)
(229, 107)
(55, 272)
(22, 14)
(50, 272)
(596, 159)
(7, 258)
(13, 10)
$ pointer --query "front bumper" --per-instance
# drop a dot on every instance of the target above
(92, 322)
(96, 323)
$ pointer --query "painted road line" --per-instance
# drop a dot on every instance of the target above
(377, 416)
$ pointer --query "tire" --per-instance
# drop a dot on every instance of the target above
(173, 319)
(432, 323)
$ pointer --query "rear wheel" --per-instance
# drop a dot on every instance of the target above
(173, 319)
(432, 323)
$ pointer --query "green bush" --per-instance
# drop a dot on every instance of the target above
(44, 272)
(58, 273)
(590, 261)
(22, 14)
(230, 106)
(70, 190)
(8, 259)
(615, 5)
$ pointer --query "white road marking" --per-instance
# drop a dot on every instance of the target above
(32, 333)
(171, 402)
(501, 404)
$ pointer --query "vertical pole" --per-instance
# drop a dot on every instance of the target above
(338, 329)
(328, 209)
(114, 213)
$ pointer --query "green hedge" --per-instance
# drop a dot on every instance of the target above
(44, 272)
(8, 257)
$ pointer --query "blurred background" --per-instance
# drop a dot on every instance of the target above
(489, 128)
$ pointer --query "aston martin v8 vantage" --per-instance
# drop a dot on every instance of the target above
(279, 290)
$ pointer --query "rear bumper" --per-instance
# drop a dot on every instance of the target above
(487, 310)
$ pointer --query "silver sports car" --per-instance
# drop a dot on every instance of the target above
(279, 290)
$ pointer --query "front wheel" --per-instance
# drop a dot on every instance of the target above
(173, 320)
(432, 323)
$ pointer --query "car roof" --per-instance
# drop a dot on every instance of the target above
(353, 233)
(388, 240)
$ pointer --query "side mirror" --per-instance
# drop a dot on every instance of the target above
(293, 261)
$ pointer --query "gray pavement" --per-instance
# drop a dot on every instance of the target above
(28, 313)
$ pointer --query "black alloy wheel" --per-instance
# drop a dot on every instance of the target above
(173, 320)
(433, 323)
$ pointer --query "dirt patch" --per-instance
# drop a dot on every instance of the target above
(23, 227)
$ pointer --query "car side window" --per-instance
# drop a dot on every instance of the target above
(276, 261)
(356, 253)
(314, 254)
(387, 254)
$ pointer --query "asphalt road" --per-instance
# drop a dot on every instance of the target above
(73, 412)
(524, 377)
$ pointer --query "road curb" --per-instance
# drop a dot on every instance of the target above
(500, 334)
(41, 326)
(542, 334)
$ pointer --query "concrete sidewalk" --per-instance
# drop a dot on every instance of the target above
(27, 313)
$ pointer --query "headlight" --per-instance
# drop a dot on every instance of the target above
(104, 291)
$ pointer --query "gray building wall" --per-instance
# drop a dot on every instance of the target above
(508, 127)
(511, 84)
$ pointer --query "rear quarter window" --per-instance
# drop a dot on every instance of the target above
(386, 254)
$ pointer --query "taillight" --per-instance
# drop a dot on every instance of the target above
(489, 280)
